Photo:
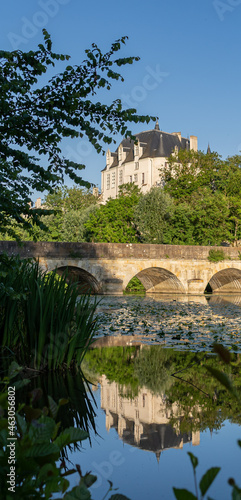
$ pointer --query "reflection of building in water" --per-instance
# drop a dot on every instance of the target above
(144, 420)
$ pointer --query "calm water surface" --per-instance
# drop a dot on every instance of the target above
(155, 399)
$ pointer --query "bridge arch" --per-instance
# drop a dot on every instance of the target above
(87, 282)
(159, 280)
(225, 281)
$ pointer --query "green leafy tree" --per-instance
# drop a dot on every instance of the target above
(114, 221)
(152, 215)
(180, 228)
(190, 171)
(34, 119)
(210, 218)
(74, 223)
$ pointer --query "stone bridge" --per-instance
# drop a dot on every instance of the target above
(108, 267)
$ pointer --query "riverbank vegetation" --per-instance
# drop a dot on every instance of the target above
(43, 320)
(39, 444)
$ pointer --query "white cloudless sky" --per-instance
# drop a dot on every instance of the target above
(189, 74)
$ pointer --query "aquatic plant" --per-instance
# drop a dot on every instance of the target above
(43, 319)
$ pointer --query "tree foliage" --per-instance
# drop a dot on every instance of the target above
(114, 221)
(152, 215)
(34, 119)
(206, 191)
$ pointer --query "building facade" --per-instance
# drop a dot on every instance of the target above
(143, 161)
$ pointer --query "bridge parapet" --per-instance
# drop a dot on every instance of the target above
(108, 267)
(113, 250)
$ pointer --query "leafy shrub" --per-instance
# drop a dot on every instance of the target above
(216, 255)
(135, 286)
(38, 443)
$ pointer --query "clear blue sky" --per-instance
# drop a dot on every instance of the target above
(191, 47)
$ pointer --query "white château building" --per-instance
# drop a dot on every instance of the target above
(141, 163)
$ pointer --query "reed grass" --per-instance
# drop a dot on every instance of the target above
(43, 319)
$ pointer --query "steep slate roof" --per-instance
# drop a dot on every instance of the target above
(156, 144)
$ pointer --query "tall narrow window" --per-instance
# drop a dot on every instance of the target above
(113, 179)
(135, 178)
(121, 177)
(143, 178)
(130, 178)
(108, 181)
(136, 165)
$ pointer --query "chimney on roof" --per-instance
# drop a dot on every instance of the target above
(193, 142)
(157, 125)
(178, 134)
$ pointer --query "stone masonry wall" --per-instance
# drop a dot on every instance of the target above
(112, 250)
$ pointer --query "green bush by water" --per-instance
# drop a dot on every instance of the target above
(135, 286)
(216, 255)
(43, 320)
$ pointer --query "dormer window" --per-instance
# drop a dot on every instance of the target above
(120, 150)
(136, 149)
(108, 158)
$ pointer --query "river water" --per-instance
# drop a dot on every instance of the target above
(156, 399)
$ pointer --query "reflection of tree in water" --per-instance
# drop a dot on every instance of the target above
(198, 395)
(78, 412)
(117, 363)
(153, 368)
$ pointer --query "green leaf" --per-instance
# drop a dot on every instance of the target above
(223, 379)
(14, 369)
(223, 353)
(182, 494)
(21, 423)
(208, 479)
(53, 407)
(118, 496)
(236, 493)
(89, 479)
(41, 450)
(69, 436)
(21, 383)
(78, 493)
(193, 459)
